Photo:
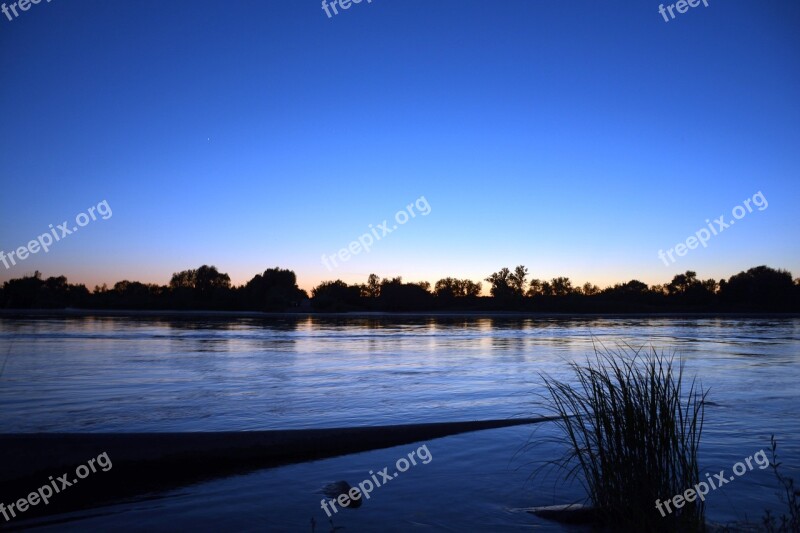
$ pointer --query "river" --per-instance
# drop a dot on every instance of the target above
(194, 373)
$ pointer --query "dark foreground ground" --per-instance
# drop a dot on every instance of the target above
(151, 462)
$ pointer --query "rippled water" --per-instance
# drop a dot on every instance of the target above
(192, 374)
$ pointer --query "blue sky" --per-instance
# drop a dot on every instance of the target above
(576, 138)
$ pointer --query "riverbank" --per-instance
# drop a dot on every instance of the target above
(178, 313)
(151, 462)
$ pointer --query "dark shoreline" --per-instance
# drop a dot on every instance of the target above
(146, 463)
(12, 313)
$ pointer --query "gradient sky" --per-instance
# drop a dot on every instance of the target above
(577, 138)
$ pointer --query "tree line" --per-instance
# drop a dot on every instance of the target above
(759, 289)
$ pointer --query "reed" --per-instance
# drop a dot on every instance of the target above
(632, 428)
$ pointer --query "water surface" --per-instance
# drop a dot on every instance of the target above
(114, 374)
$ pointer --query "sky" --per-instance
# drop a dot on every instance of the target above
(576, 138)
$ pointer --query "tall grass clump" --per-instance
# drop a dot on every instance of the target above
(787, 523)
(633, 430)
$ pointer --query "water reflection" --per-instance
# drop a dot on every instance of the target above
(166, 373)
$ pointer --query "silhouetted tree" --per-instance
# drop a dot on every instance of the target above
(501, 284)
(516, 280)
(424, 285)
(335, 296)
(274, 290)
(399, 296)
(547, 288)
(590, 289)
(451, 288)
(34, 292)
(561, 286)
(373, 286)
(761, 287)
(447, 288)
(681, 283)
(470, 289)
(204, 287)
(632, 288)
(535, 288)
(183, 280)
(632, 295)
(22, 293)
(132, 295)
(686, 289)
(208, 279)
(659, 289)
